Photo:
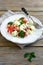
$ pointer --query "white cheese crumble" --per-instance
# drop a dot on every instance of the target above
(17, 23)
(23, 26)
(14, 33)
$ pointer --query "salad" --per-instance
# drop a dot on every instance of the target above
(20, 28)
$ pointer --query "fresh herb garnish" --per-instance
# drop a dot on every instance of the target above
(21, 18)
(21, 22)
(10, 23)
(33, 54)
(26, 55)
(21, 34)
(30, 56)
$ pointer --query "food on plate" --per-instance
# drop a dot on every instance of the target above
(21, 27)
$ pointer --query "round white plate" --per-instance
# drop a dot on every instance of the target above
(27, 40)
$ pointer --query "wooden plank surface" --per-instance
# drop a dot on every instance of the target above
(15, 56)
(10, 53)
(31, 5)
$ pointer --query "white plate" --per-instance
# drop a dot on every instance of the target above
(27, 40)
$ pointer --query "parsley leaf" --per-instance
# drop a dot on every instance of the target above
(21, 22)
(26, 55)
(30, 56)
(21, 34)
(10, 23)
(33, 54)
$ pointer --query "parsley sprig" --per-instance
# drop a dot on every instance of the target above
(22, 34)
(30, 56)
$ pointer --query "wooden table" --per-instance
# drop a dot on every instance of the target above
(11, 54)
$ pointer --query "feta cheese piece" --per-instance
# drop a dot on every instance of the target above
(17, 23)
(27, 24)
(14, 33)
(23, 26)
(32, 27)
(29, 31)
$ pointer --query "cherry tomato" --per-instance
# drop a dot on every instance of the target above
(24, 19)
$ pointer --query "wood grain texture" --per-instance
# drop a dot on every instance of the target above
(31, 5)
(10, 53)
(15, 56)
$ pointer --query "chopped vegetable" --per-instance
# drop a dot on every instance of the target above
(21, 34)
(10, 29)
(20, 28)
(10, 23)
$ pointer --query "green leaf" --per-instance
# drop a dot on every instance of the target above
(10, 23)
(30, 59)
(21, 18)
(29, 56)
(21, 34)
(21, 22)
(33, 54)
(26, 55)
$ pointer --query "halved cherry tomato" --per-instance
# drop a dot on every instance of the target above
(25, 21)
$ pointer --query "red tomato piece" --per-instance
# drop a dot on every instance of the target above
(11, 28)
(25, 21)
